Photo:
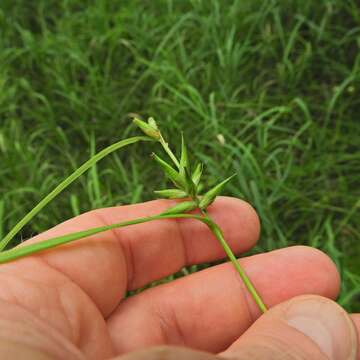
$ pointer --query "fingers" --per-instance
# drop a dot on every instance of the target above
(306, 327)
(131, 257)
(210, 309)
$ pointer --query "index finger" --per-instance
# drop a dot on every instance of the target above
(131, 257)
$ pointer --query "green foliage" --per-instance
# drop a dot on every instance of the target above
(268, 89)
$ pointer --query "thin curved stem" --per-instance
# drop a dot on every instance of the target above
(167, 149)
(65, 183)
(216, 230)
(21, 251)
(249, 285)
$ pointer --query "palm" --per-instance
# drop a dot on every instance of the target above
(70, 301)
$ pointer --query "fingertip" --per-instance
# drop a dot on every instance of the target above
(325, 276)
(293, 271)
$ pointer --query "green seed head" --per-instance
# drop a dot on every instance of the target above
(210, 196)
(150, 129)
(171, 193)
(190, 186)
(196, 176)
(180, 208)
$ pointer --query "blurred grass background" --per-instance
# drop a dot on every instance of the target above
(279, 80)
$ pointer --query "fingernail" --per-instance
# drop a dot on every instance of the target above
(326, 324)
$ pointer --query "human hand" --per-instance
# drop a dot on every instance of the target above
(68, 302)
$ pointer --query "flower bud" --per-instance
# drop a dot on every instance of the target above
(149, 129)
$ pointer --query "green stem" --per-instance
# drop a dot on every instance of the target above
(166, 147)
(250, 287)
(66, 183)
(216, 230)
(21, 251)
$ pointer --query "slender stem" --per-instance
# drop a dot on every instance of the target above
(65, 183)
(250, 287)
(166, 147)
(21, 251)
(216, 230)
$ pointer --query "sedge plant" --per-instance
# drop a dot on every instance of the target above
(187, 189)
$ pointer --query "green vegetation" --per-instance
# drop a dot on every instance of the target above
(266, 89)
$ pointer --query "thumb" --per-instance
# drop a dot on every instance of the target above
(305, 327)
